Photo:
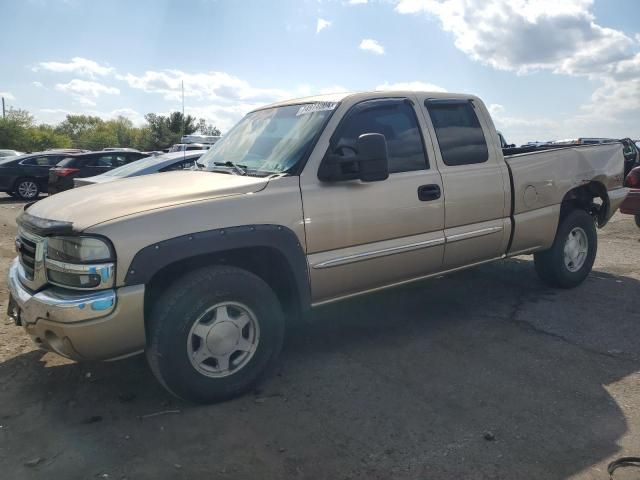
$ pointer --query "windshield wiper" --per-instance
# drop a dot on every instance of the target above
(239, 169)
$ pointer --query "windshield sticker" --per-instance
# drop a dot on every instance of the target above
(316, 107)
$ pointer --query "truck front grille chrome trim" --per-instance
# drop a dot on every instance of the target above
(359, 257)
(476, 233)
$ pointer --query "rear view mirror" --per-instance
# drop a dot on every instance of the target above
(368, 163)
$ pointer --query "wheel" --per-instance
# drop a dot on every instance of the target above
(570, 259)
(27, 189)
(637, 217)
(213, 333)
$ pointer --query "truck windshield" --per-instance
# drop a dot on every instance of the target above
(273, 140)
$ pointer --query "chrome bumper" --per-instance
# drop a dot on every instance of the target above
(96, 325)
(58, 304)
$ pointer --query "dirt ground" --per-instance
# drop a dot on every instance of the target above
(485, 374)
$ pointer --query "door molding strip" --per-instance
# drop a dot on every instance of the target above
(358, 257)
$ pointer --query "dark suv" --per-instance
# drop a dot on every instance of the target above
(26, 176)
(87, 165)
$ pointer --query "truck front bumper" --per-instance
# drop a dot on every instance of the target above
(94, 325)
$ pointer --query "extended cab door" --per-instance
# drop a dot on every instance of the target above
(475, 180)
(365, 235)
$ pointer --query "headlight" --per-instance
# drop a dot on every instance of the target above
(78, 249)
(80, 262)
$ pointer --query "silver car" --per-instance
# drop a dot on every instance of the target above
(160, 163)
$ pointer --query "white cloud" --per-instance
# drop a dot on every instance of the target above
(559, 36)
(7, 95)
(203, 86)
(37, 84)
(523, 35)
(77, 65)
(412, 86)
(86, 92)
(370, 45)
(322, 24)
(358, 2)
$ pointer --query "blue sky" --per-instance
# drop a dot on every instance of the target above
(547, 68)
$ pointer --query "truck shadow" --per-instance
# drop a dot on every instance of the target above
(482, 374)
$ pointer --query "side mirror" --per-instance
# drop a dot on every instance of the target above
(373, 157)
(369, 163)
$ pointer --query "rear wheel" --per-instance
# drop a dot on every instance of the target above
(27, 189)
(213, 333)
(570, 259)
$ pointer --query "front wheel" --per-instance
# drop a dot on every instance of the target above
(213, 333)
(570, 259)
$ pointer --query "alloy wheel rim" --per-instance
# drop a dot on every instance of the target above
(576, 248)
(223, 339)
(27, 189)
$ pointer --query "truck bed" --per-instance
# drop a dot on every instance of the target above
(540, 180)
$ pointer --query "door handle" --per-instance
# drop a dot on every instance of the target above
(427, 193)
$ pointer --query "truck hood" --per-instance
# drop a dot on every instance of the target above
(92, 204)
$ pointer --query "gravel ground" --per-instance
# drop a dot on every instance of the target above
(484, 374)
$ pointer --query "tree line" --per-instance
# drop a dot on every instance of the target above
(19, 131)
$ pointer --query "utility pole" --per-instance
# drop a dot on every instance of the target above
(3, 114)
(182, 108)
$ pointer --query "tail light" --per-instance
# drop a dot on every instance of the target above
(633, 179)
(63, 172)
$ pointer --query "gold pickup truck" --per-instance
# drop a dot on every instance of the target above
(302, 203)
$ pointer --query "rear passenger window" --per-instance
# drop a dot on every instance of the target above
(396, 120)
(458, 131)
(103, 161)
(39, 161)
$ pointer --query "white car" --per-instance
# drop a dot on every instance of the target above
(10, 153)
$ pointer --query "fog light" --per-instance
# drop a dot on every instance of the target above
(89, 280)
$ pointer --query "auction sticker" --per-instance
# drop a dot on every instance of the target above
(316, 107)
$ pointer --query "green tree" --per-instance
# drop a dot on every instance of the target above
(18, 131)
(207, 129)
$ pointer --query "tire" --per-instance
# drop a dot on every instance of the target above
(27, 189)
(558, 268)
(181, 338)
(637, 217)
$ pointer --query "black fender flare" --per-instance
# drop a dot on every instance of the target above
(153, 258)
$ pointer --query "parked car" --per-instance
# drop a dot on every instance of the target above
(10, 153)
(26, 176)
(87, 165)
(584, 141)
(305, 202)
(119, 149)
(185, 147)
(195, 138)
(161, 163)
(631, 204)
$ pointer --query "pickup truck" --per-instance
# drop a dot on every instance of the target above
(302, 203)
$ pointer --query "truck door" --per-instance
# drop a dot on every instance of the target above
(475, 181)
(362, 236)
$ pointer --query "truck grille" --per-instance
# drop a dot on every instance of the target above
(27, 252)
(31, 249)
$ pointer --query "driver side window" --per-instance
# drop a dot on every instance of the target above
(397, 121)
